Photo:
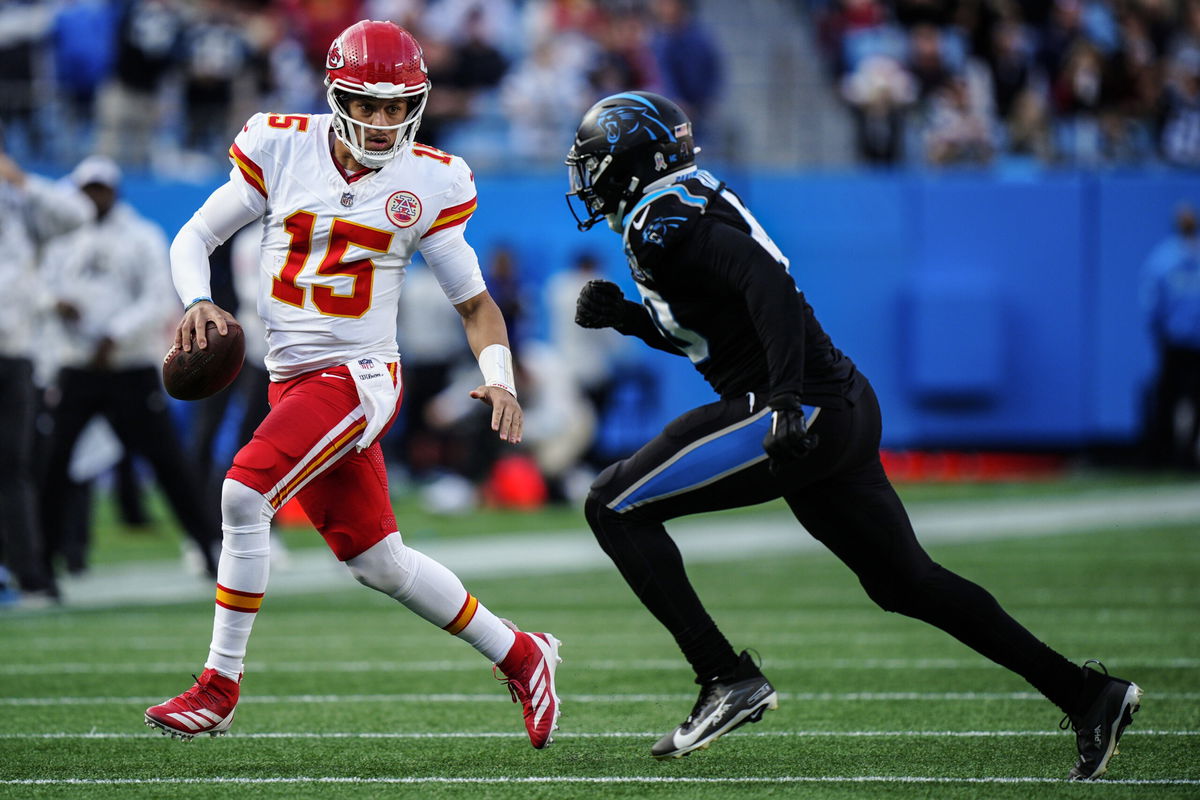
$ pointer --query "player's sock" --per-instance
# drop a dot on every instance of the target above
(241, 574)
(708, 651)
(433, 593)
(241, 583)
(482, 629)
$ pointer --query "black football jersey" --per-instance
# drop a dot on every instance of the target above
(718, 290)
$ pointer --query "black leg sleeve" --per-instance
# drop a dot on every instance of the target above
(857, 515)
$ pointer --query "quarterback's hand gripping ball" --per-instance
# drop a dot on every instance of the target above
(198, 374)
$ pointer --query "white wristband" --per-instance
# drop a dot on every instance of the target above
(495, 362)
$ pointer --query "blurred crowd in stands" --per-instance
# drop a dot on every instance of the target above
(164, 84)
(1071, 82)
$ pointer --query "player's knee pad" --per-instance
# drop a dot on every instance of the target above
(387, 566)
(243, 507)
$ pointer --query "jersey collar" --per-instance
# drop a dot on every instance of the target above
(656, 189)
(347, 176)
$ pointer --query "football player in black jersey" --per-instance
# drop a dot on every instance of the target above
(795, 419)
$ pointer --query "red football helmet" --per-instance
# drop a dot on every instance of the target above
(381, 60)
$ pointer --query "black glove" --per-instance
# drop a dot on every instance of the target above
(789, 439)
(601, 304)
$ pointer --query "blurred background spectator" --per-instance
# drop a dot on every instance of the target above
(109, 285)
(1171, 296)
(162, 84)
(33, 210)
(588, 357)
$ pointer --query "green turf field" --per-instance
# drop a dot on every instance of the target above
(349, 695)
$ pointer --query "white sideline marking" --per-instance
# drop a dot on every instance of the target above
(309, 699)
(608, 779)
(1139, 732)
(707, 539)
(473, 665)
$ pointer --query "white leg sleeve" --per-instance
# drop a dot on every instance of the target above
(432, 592)
(241, 574)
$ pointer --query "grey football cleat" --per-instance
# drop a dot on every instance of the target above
(721, 707)
(1099, 729)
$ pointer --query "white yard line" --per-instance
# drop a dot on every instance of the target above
(418, 735)
(601, 780)
(462, 697)
(702, 539)
(608, 665)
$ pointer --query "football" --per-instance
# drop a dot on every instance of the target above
(203, 373)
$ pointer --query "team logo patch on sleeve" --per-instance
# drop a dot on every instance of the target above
(403, 209)
(659, 228)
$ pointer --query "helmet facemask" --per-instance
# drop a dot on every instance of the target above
(353, 133)
(583, 172)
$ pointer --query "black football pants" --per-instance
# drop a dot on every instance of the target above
(20, 528)
(135, 405)
(711, 458)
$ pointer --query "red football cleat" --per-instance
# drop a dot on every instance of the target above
(529, 673)
(207, 707)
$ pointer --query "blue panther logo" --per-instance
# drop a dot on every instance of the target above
(623, 122)
(656, 230)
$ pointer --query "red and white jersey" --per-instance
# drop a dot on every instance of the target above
(335, 246)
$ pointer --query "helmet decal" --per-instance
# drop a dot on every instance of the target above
(623, 124)
(336, 60)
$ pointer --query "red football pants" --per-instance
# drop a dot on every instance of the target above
(305, 448)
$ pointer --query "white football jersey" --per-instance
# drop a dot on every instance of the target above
(335, 246)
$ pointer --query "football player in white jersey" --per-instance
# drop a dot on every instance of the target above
(346, 198)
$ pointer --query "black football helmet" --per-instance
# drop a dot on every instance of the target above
(625, 142)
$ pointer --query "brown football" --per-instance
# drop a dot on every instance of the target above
(203, 373)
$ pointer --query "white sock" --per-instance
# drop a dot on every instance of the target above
(241, 576)
(433, 593)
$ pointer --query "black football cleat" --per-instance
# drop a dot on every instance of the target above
(1099, 728)
(723, 706)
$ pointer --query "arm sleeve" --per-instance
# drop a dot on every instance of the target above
(223, 214)
(735, 261)
(454, 264)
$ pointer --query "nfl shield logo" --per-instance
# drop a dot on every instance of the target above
(366, 363)
(347, 199)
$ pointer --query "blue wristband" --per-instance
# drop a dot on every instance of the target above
(197, 300)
